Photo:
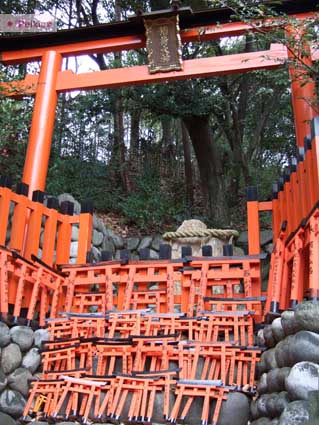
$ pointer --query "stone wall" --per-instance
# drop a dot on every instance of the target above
(288, 372)
(20, 362)
(288, 388)
(104, 239)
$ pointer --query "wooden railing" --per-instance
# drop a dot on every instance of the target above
(294, 271)
(23, 220)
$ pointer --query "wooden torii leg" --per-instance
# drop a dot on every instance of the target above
(34, 295)
(314, 258)
(297, 284)
(4, 283)
(275, 274)
(20, 292)
(203, 287)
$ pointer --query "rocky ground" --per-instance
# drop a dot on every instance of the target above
(20, 363)
(288, 372)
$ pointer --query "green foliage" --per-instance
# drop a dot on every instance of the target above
(150, 205)
(84, 180)
(15, 116)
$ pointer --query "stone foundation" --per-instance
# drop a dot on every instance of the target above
(20, 362)
(288, 372)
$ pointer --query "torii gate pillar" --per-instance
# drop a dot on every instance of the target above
(43, 118)
(303, 87)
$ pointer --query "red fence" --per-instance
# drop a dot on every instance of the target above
(23, 220)
(294, 271)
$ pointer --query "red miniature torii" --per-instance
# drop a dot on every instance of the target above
(201, 26)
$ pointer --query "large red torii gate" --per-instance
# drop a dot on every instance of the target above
(51, 48)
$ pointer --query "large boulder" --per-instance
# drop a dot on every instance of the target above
(7, 420)
(276, 379)
(303, 378)
(271, 405)
(262, 387)
(41, 335)
(305, 347)
(3, 381)
(296, 413)
(157, 241)
(12, 403)
(262, 405)
(236, 406)
(242, 240)
(269, 337)
(254, 410)
(32, 360)
(260, 338)
(116, 239)
(145, 242)
(74, 247)
(132, 243)
(281, 403)
(270, 359)
(307, 316)
(97, 238)
(153, 254)
(101, 227)
(313, 400)
(260, 367)
(68, 197)
(96, 253)
(283, 352)
(75, 233)
(23, 336)
(19, 380)
(10, 358)
(4, 334)
(289, 323)
(108, 245)
(96, 222)
(277, 329)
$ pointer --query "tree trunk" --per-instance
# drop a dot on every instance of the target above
(167, 150)
(210, 168)
(188, 169)
(133, 163)
(135, 134)
(119, 144)
(119, 149)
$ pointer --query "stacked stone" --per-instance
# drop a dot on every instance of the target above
(288, 372)
(20, 362)
(104, 239)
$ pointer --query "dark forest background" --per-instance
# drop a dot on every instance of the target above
(157, 154)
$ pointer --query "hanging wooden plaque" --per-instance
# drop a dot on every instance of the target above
(163, 43)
